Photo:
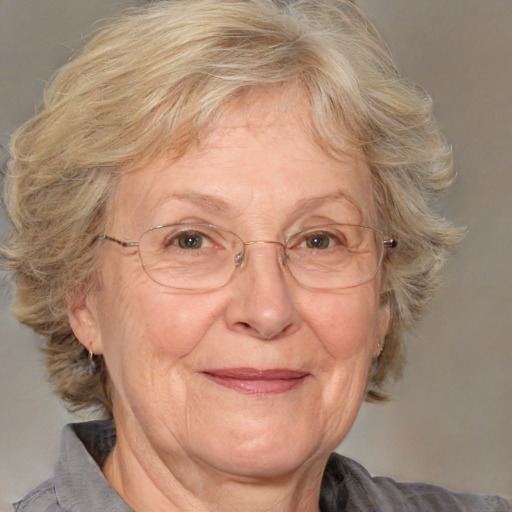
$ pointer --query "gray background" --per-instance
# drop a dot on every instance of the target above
(451, 419)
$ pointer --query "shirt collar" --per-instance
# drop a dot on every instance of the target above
(79, 483)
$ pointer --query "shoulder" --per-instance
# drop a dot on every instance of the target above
(347, 483)
(78, 483)
(40, 499)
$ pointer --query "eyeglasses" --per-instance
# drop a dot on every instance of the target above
(204, 257)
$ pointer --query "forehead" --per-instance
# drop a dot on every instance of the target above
(260, 161)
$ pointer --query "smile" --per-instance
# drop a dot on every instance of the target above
(252, 381)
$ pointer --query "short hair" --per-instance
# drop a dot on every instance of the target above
(155, 82)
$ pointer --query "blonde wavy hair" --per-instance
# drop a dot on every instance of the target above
(155, 82)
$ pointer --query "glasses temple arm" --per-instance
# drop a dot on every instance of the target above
(123, 244)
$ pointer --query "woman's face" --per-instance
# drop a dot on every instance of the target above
(260, 376)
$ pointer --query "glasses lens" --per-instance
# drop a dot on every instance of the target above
(334, 256)
(204, 257)
(189, 256)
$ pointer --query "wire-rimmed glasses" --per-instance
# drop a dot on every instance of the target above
(197, 256)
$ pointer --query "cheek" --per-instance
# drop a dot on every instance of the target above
(174, 324)
(146, 325)
(345, 322)
(345, 325)
(150, 338)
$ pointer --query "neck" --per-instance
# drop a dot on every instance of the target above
(148, 483)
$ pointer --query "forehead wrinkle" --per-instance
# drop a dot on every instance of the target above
(208, 202)
(312, 203)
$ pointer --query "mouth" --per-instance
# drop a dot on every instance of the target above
(251, 381)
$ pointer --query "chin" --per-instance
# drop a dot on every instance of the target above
(273, 454)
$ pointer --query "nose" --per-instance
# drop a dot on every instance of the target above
(262, 304)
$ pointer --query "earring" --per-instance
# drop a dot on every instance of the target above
(92, 363)
(380, 346)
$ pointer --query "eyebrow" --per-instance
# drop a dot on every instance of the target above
(209, 202)
(314, 202)
(215, 204)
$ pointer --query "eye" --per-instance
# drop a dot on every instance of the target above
(188, 240)
(319, 240)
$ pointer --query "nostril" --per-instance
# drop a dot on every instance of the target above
(244, 328)
(265, 332)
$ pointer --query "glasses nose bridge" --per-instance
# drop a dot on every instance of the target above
(256, 242)
(241, 258)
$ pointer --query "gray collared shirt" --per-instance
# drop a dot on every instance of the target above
(78, 485)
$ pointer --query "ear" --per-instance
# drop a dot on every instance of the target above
(83, 319)
(382, 326)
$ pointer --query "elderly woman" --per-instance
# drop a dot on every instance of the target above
(223, 219)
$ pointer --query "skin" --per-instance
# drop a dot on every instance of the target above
(185, 442)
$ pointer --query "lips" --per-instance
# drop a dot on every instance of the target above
(253, 381)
